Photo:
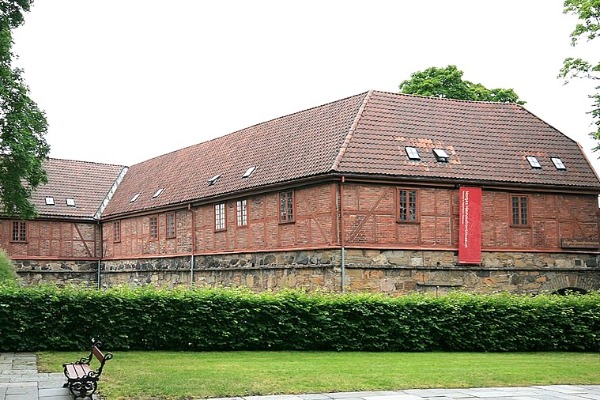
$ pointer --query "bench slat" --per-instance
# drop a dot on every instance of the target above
(76, 371)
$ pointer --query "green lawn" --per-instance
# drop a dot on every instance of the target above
(186, 375)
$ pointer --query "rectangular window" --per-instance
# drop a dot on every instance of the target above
(220, 217)
(286, 206)
(171, 233)
(242, 213)
(117, 231)
(520, 210)
(408, 205)
(19, 231)
(153, 227)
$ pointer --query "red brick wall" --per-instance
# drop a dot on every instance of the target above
(314, 226)
(52, 240)
(370, 219)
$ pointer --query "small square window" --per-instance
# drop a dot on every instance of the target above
(213, 180)
(441, 155)
(249, 172)
(70, 202)
(412, 153)
(558, 163)
(534, 162)
(49, 201)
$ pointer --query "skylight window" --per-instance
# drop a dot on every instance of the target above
(249, 172)
(213, 180)
(412, 153)
(49, 201)
(70, 202)
(534, 162)
(135, 197)
(441, 155)
(157, 193)
(558, 163)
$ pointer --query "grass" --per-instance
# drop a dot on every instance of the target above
(189, 375)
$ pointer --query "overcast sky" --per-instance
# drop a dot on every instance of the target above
(123, 81)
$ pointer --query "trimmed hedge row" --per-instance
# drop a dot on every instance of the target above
(47, 318)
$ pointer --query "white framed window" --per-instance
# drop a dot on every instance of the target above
(220, 217)
(242, 212)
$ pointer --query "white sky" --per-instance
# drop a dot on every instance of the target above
(123, 81)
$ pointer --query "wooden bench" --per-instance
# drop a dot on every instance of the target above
(82, 380)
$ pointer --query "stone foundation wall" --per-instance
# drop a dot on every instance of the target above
(393, 272)
(61, 273)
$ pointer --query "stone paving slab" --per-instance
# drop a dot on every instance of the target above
(553, 392)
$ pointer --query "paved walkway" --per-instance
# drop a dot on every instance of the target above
(20, 380)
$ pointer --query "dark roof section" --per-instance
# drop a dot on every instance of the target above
(86, 183)
(365, 134)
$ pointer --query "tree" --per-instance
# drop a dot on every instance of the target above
(588, 12)
(23, 125)
(448, 82)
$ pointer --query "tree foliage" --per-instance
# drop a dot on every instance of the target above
(23, 125)
(448, 82)
(588, 28)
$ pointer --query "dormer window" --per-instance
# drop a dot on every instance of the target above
(412, 153)
(533, 161)
(157, 193)
(249, 172)
(49, 201)
(213, 180)
(70, 202)
(441, 155)
(135, 197)
(558, 163)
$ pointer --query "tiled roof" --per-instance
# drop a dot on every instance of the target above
(295, 146)
(486, 142)
(365, 134)
(86, 183)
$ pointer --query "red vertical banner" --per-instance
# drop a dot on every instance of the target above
(469, 234)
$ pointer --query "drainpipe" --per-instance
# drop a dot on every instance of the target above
(98, 279)
(193, 245)
(342, 236)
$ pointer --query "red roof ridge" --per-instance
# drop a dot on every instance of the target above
(83, 162)
(450, 99)
(348, 138)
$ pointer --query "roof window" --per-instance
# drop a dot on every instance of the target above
(441, 155)
(213, 180)
(70, 202)
(135, 197)
(558, 163)
(412, 153)
(534, 162)
(249, 172)
(157, 193)
(49, 201)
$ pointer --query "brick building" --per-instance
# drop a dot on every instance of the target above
(376, 192)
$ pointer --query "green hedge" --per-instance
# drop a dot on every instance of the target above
(47, 318)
